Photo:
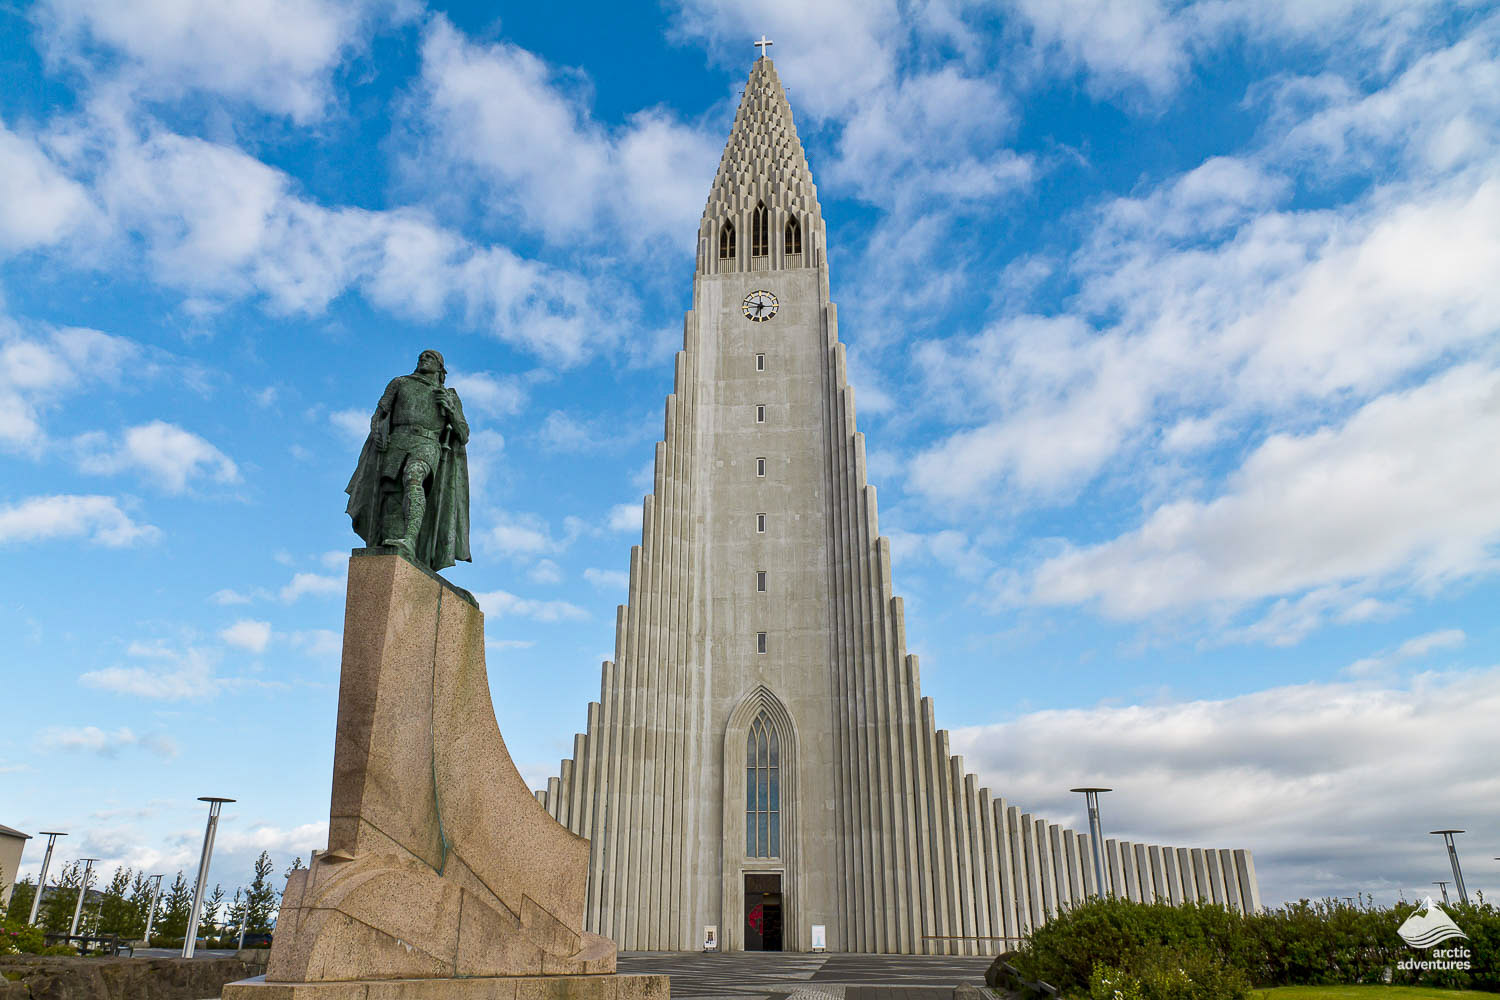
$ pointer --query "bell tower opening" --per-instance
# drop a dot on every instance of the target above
(793, 236)
(760, 231)
(726, 241)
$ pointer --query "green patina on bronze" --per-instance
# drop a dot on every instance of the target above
(410, 490)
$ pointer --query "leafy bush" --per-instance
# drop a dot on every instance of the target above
(16, 936)
(1117, 950)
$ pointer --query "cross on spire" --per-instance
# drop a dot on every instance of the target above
(764, 44)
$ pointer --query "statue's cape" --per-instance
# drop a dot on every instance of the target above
(444, 538)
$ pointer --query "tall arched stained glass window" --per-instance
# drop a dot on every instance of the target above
(793, 235)
(762, 791)
(760, 231)
(726, 241)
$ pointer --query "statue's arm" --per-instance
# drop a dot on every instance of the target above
(387, 400)
(456, 418)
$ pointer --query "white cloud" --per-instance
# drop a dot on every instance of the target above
(607, 579)
(1296, 311)
(1448, 638)
(539, 157)
(167, 456)
(1285, 772)
(1147, 48)
(37, 373)
(545, 571)
(106, 744)
(283, 843)
(491, 394)
(227, 596)
(1403, 490)
(304, 584)
(178, 675)
(624, 517)
(352, 425)
(221, 225)
(1413, 648)
(248, 634)
(518, 534)
(319, 642)
(500, 603)
(564, 432)
(274, 54)
(42, 204)
(97, 519)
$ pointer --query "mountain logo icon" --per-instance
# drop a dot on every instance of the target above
(1428, 926)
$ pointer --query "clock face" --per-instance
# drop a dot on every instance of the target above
(759, 306)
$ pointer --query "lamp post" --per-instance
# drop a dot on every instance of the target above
(1458, 876)
(1096, 835)
(190, 942)
(1443, 886)
(83, 888)
(151, 917)
(41, 882)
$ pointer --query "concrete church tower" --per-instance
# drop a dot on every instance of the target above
(761, 758)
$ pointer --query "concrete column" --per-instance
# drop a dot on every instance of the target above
(1173, 875)
(1006, 868)
(1189, 880)
(1200, 876)
(1035, 897)
(1231, 882)
(1116, 870)
(1143, 867)
(1249, 888)
(1016, 823)
(1086, 855)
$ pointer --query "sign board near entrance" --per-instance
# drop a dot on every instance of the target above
(710, 937)
(819, 937)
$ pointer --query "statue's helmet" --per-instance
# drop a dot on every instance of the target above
(435, 356)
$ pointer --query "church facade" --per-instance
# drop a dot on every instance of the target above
(761, 759)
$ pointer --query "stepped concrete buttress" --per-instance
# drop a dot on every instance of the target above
(443, 878)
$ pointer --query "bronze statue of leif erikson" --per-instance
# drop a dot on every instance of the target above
(410, 490)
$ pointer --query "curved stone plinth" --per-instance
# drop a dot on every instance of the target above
(441, 864)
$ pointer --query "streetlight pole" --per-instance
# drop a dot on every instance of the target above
(190, 942)
(1458, 876)
(1096, 836)
(83, 888)
(41, 882)
(151, 917)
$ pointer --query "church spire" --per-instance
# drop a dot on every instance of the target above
(763, 203)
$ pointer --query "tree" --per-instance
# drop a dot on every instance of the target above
(260, 898)
(236, 913)
(211, 905)
(20, 900)
(177, 901)
(118, 913)
(58, 903)
(140, 901)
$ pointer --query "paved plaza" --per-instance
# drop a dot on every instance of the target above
(756, 975)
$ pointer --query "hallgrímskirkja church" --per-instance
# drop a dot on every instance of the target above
(761, 759)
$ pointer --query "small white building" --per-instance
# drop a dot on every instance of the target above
(12, 843)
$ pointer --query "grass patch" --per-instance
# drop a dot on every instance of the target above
(1367, 993)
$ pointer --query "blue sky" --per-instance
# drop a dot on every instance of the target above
(1172, 327)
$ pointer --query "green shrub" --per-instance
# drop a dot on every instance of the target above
(1204, 952)
(16, 936)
